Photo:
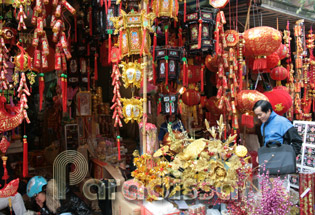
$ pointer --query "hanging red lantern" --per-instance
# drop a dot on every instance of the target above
(272, 60)
(191, 97)
(211, 63)
(280, 100)
(193, 74)
(246, 100)
(281, 88)
(279, 73)
(261, 41)
(212, 106)
(282, 51)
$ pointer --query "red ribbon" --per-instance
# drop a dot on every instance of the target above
(106, 7)
(154, 45)
(180, 37)
(118, 147)
(185, 11)
(166, 72)
(154, 72)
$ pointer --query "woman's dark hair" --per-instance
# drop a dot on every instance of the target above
(264, 105)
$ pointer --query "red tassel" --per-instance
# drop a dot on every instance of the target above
(176, 8)
(184, 74)
(159, 109)
(25, 157)
(95, 67)
(185, 10)
(166, 35)
(154, 72)
(154, 46)
(41, 90)
(201, 77)
(109, 3)
(170, 108)
(75, 29)
(260, 64)
(109, 47)
(5, 176)
(101, 3)
(180, 37)
(118, 147)
(143, 41)
(90, 20)
(248, 120)
(166, 70)
(199, 33)
(106, 8)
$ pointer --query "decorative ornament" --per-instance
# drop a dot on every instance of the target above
(280, 100)
(117, 107)
(22, 61)
(4, 145)
(259, 42)
(133, 29)
(218, 3)
(132, 109)
(21, 4)
(10, 189)
(231, 38)
(201, 25)
(282, 51)
(246, 100)
(165, 8)
(132, 74)
(168, 104)
(279, 73)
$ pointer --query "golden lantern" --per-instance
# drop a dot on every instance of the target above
(133, 29)
(132, 74)
(132, 109)
(165, 8)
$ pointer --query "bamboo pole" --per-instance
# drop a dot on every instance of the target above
(145, 83)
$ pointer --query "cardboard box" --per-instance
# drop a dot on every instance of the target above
(103, 170)
(120, 206)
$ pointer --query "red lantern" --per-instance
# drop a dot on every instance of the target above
(280, 100)
(191, 97)
(261, 41)
(281, 88)
(212, 106)
(211, 63)
(272, 60)
(246, 100)
(282, 51)
(279, 73)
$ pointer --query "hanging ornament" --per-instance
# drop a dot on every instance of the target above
(259, 42)
(165, 8)
(280, 100)
(132, 109)
(246, 100)
(132, 74)
(168, 104)
(218, 3)
(116, 107)
(231, 38)
(10, 189)
(4, 144)
(279, 73)
(21, 16)
(133, 29)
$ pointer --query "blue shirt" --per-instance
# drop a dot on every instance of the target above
(275, 127)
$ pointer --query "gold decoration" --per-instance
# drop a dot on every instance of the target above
(22, 62)
(132, 27)
(132, 109)
(31, 77)
(166, 8)
(241, 151)
(132, 73)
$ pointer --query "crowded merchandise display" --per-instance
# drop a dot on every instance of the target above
(157, 107)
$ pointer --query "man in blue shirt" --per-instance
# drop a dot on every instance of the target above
(275, 127)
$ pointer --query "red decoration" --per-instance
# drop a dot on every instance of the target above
(282, 51)
(245, 103)
(194, 74)
(272, 60)
(10, 189)
(25, 157)
(211, 63)
(218, 3)
(9, 121)
(281, 88)
(261, 41)
(280, 100)
(191, 97)
(231, 38)
(4, 145)
(279, 73)
(41, 90)
(212, 106)
(117, 107)
(118, 147)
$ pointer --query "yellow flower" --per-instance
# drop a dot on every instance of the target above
(217, 172)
